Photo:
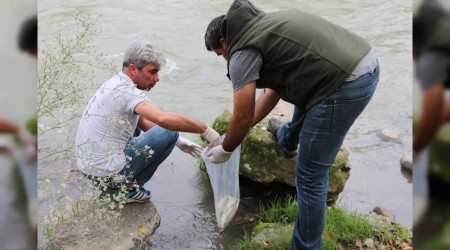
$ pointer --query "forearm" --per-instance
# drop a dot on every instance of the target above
(431, 116)
(267, 100)
(425, 132)
(8, 127)
(169, 120)
(177, 122)
(242, 119)
(236, 132)
(446, 112)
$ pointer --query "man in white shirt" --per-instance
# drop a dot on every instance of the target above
(110, 144)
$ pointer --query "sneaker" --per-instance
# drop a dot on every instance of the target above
(273, 127)
(140, 195)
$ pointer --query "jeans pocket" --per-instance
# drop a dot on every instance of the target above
(345, 113)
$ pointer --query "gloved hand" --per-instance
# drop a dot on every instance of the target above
(188, 146)
(218, 155)
(212, 137)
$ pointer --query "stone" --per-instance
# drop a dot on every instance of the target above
(140, 220)
(389, 135)
(98, 224)
(384, 212)
(406, 163)
(263, 162)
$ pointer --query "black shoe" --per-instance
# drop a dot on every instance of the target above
(273, 127)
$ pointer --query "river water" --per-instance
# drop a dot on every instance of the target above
(194, 83)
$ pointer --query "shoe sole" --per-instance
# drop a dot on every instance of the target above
(127, 200)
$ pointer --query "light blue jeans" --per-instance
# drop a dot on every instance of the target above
(141, 166)
(320, 131)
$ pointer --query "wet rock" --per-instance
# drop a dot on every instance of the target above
(84, 219)
(384, 212)
(262, 161)
(139, 220)
(381, 215)
(406, 163)
(389, 135)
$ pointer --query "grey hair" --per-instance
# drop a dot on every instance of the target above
(143, 53)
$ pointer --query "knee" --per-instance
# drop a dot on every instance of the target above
(171, 136)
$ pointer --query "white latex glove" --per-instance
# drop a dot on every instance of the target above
(188, 146)
(218, 155)
(212, 137)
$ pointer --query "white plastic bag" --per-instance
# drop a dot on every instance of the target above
(224, 180)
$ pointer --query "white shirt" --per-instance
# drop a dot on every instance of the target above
(106, 126)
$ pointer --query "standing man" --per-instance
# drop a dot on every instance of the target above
(122, 138)
(431, 52)
(328, 73)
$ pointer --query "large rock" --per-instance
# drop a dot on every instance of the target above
(262, 161)
(85, 218)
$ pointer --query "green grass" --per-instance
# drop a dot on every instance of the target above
(343, 229)
(283, 211)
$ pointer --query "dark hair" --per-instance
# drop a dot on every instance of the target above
(426, 19)
(213, 33)
(28, 34)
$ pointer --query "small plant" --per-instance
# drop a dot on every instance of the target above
(281, 211)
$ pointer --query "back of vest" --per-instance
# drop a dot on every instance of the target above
(305, 57)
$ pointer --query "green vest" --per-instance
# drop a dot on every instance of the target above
(305, 57)
(434, 25)
(440, 38)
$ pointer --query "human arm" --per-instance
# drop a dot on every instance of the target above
(446, 112)
(265, 103)
(432, 116)
(145, 124)
(9, 127)
(169, 120)
(176, 122)
(242, 118)
(239, 125)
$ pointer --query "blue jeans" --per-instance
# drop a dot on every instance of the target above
(320, 131)
(141, 166)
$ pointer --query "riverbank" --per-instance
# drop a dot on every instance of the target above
(343, 230)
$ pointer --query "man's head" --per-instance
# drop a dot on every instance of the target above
(141, 63)
(425, 21)
(214, 39)
(28, 36)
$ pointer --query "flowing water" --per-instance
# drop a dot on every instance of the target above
(194, 84)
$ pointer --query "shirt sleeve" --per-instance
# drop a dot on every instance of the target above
(244, 67)
(432, 68)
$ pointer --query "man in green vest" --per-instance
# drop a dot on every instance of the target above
(431, 52)
(327, 72)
